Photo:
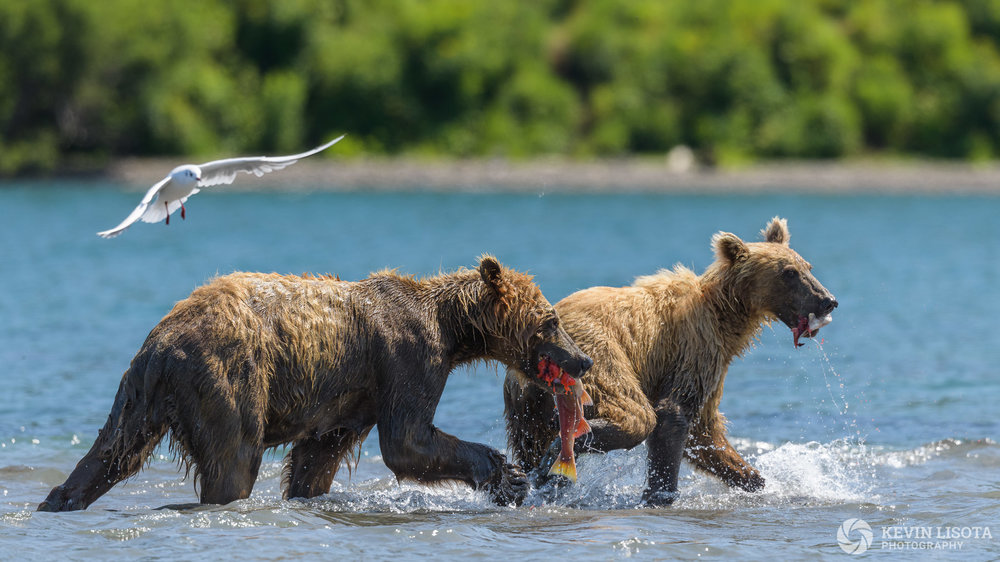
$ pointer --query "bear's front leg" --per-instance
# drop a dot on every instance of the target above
(665, 450)
(422, 452)
(413, 448)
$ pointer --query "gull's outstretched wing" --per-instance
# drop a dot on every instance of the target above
(224, 171)
(135, 214)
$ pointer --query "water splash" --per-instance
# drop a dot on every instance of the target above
(843, 471)
(836, 472)
(945, 448)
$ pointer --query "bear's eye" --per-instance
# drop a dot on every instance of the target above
(790, 273)
(550, 325)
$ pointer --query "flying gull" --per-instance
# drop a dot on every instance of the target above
(184, 181)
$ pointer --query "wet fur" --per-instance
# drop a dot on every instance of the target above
(661, 350)
(252, 361)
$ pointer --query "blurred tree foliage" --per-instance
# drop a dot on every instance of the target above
(83, 81)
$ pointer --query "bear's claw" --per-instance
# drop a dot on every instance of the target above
(508, 487)
(752, 482)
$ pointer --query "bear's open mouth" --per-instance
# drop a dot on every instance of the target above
(809, 326)
(551, 374)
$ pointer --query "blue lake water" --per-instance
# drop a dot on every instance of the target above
(890, 417)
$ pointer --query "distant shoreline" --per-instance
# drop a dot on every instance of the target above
(597, 176)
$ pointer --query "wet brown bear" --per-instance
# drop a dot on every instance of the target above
(252, 361)
(661, 349)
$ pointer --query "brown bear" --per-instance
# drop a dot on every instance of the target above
(661, 349)
(252, 361)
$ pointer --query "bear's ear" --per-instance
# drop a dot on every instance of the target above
(492, 273)
(776, 231)
(729, 248)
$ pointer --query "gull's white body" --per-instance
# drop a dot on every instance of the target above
(170, 193)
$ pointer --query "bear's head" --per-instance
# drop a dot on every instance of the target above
(524, 328)
(775, 281)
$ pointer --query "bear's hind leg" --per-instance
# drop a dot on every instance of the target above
(116, 455)
(709, 449)
(313, 463)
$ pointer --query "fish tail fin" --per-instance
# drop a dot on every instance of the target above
(564, 468)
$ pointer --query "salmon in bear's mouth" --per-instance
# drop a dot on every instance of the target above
(809, 326)
(551, 374)
(569, 407)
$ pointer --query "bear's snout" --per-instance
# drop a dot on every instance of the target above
(576, 365)
(828, 304)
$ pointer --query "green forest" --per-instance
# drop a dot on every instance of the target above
(84, 81)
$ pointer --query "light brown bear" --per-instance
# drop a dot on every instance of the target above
(252, 361)
(661, 349)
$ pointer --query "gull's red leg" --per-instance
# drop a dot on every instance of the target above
(182, 211)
